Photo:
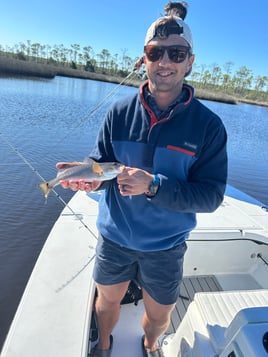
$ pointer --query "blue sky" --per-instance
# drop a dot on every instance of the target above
(223, 31)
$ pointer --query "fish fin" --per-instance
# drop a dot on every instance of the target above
(97, 169)
(45, 188)
(68, 165)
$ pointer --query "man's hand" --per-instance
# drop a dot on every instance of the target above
(133, 181)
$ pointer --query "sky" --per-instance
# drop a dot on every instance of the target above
(223, 31)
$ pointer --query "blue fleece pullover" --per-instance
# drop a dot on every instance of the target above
(187, 150)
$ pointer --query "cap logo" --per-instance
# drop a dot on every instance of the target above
(176, 31)
(164, 31)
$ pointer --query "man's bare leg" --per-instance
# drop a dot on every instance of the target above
(155, 322)
(108, 310)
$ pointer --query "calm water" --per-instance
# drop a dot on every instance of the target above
(46, 121)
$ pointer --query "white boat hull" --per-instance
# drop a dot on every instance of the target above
(53, 318)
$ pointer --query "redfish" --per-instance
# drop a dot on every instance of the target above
(88, 170)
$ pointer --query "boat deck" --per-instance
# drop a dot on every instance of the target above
(190, 286)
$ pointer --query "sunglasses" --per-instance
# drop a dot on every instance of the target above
(176, 53)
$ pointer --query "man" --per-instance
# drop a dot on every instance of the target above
(174, 150)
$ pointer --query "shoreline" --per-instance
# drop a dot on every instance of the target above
(10, 67)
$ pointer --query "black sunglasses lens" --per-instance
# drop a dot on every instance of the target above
(177, 54)
(153, 53)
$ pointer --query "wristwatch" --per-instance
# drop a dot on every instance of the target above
(153, 186)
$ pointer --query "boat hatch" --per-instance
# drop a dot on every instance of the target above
(228, 217)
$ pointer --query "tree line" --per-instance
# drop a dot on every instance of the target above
(240, 83)
(75, 57)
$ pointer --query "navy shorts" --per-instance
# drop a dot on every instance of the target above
(159, 273)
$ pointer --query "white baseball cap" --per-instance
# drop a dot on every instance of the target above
(183, 30)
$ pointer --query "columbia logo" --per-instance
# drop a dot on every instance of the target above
(192, 146)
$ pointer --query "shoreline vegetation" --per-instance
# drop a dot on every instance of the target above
(10, 67)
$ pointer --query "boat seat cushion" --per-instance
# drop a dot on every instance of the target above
(218, 311)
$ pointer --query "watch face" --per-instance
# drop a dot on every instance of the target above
(153, 188)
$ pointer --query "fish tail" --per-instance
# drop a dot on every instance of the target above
(45, 188)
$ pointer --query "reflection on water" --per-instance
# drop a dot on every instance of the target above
(55, 120)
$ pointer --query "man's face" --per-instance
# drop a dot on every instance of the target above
(164, 74)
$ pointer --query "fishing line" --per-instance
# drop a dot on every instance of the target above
(91, 112)
(78, 217)
(15, 163)
(64, 285)
(104, 101)
(109, 96)
(26, 162)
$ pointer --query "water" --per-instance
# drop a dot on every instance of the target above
(49, 121)
(247, 128)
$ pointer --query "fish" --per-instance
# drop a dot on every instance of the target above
(88, 170)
